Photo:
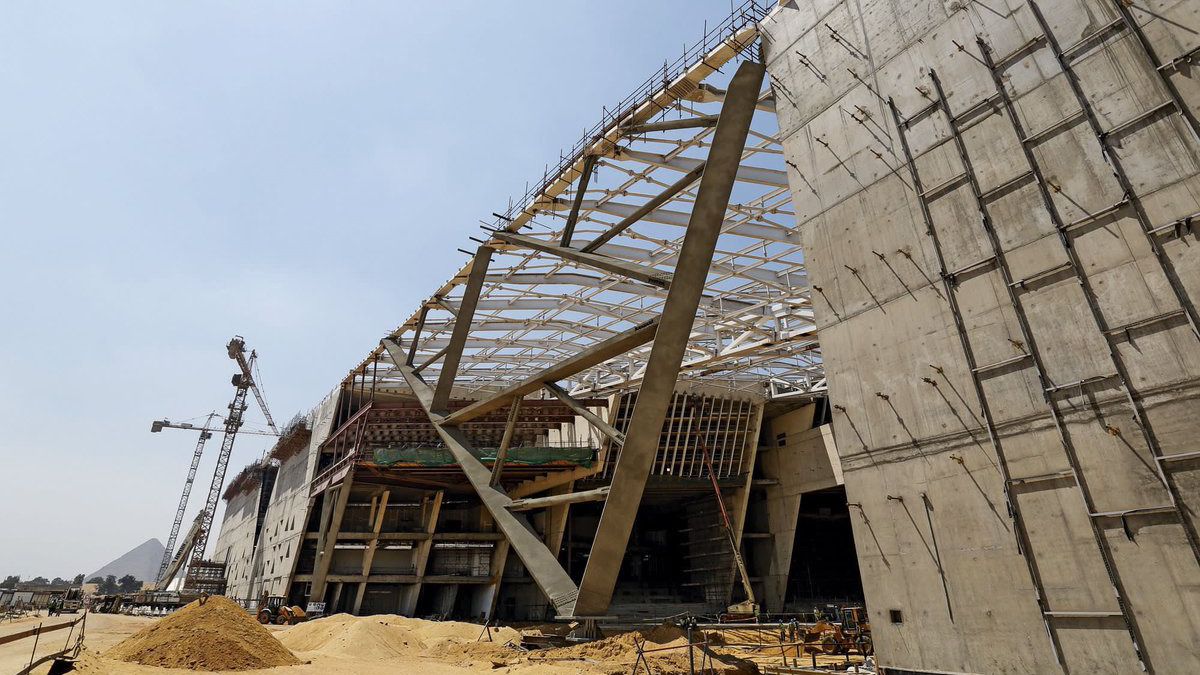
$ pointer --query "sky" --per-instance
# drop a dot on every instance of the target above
(298, 173)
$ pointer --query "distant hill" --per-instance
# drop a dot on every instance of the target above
(142, 562)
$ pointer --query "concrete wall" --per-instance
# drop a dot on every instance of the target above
(235, 544)
(935, 537)
(793, 458)
(283, 526)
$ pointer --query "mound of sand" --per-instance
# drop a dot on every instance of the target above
(215, 635)
(384, 636)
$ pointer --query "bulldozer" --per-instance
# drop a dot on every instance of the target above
(840, 631)
(273, 609)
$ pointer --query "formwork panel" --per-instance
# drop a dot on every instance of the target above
(1080, 182)
(1034, 450)
(1021, 221)
(1155, 561)
(1063, 546)
(1116, 80)
(988, 316)
(1117, 465)
(1071, 348)
(956, 220)
(1159, 355)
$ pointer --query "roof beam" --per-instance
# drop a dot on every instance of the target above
(749, 174)
(585, 177)
(643, 273)
(641, 212)
(699, 121)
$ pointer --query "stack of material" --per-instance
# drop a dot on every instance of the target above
(215, 635)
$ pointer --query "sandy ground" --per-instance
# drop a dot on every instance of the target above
(106, 630)
(103, 631)
(359, 649)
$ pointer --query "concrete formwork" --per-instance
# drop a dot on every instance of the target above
(1038, 527)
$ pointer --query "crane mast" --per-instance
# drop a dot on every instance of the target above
(205, 434)
(206, 431)
(243, 383)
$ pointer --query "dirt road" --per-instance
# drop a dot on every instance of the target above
(102, 632)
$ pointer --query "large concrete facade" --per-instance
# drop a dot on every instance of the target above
(1047, 525)
(394, 546)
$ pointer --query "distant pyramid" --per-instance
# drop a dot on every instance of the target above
(142, 562)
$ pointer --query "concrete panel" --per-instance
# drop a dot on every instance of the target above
(882, 332)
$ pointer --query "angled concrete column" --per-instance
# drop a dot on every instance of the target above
(329, 534)
(662, 369)
(421, 551)
(514, 412)
(369, 554)
(556, 520)
(542, 565)
(740, 500)
(595, 420)
(462, 329)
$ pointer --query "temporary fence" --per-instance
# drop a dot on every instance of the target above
(69, 650)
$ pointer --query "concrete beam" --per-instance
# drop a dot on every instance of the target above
(462, 328)
(592, 356)
(662, 368)
(595, 420)
(597, 495)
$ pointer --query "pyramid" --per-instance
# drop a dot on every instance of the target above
(142, 562)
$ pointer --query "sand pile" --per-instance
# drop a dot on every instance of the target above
(215, 635)
(384, 636)
(615, 654)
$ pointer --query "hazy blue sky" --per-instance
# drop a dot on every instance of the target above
(300, 173)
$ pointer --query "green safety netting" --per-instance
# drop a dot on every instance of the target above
(516, 456)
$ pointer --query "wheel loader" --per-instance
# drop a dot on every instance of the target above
(272, 609)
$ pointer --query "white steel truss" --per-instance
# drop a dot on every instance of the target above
(754, 327)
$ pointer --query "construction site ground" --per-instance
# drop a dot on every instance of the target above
(345, 645)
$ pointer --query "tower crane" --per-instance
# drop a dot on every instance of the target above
(205, 434)
(243, 383)
(197, 539)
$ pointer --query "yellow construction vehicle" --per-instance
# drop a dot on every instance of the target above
(271, 609)
(847, 630)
